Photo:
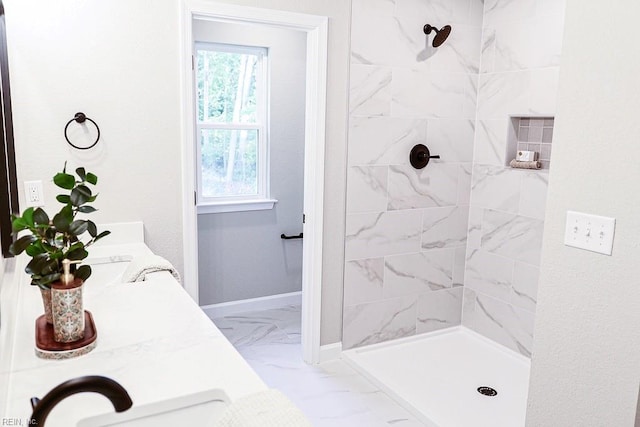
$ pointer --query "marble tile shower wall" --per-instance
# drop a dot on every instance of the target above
(521, 45)
(406, 231)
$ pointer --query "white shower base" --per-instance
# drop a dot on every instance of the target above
(436, 376)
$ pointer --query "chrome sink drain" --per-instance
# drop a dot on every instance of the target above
(487, 391)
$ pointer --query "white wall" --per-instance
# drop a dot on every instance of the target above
(586, 355)
(119, 63)
(241, 254)
(4, 380)
(8, 284)
(2, 268)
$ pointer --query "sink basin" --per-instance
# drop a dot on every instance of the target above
(203, 409)
(107, 270)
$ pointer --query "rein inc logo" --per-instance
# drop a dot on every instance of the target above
(17, 422)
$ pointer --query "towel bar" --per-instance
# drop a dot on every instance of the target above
(285, 237)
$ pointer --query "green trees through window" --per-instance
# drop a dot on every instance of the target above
(226, 87)
(231, 108)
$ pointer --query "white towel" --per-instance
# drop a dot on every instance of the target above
(525, 165)
(142, 265)
(265, 409)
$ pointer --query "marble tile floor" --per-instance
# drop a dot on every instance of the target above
(331, 394)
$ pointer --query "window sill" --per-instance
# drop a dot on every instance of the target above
(236, 206)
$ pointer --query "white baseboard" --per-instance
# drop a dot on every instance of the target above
(330, 352)
(253, 304)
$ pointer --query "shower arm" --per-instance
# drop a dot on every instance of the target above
(428, 28)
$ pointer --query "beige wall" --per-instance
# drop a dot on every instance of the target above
(118, 61)
(586, 354)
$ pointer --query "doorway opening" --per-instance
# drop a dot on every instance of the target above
(313, 30)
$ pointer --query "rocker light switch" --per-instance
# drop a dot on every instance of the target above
(590, 232)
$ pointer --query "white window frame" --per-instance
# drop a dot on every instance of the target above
(261, 200)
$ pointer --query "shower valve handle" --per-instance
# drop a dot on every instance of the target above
(420, 156)
(423, 155)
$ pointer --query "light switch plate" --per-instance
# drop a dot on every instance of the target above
(590, 232)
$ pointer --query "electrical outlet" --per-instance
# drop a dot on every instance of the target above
(33, 194)
(590, 232)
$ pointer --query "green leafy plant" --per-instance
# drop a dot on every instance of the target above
(50, 240)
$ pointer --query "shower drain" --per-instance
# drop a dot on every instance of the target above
(487, 391)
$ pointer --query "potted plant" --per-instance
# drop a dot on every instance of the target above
(50, 240)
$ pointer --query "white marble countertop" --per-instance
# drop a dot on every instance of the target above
(152, 338)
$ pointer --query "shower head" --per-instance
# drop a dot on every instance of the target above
(441, 34)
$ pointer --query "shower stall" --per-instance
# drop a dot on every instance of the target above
(442, 262)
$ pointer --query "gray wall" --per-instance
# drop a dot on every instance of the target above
(241, 254)
(585, 365)
(339, 14)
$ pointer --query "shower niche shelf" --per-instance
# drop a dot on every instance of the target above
(531, 134)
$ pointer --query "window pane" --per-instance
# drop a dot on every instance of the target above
(229, 162)
(226, 85)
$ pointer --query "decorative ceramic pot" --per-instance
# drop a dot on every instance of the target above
(46, 301)
(68, 311)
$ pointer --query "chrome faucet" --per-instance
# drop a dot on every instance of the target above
(94, 384)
